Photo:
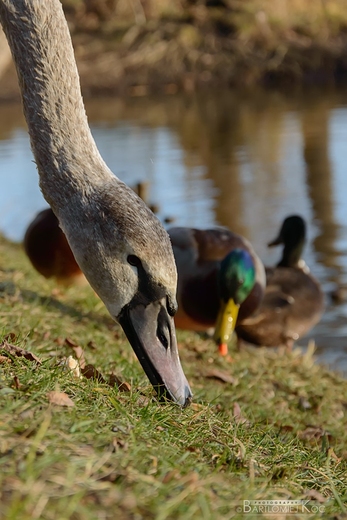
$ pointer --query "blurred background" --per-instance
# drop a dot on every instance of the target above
(231, 112)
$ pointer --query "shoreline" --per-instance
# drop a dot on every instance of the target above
(172, 56)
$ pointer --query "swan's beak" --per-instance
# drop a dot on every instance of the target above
(225, 324)
(151, 332)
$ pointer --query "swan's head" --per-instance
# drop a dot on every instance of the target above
(236, 279)
(127, 257)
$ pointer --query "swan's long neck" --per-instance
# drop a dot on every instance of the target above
(64, 149)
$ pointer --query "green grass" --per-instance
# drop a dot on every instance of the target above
(276, 430)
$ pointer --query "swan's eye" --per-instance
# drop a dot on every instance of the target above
(163, 330)
(134, 260)
(163, 339)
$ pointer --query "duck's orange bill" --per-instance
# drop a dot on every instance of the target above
(225, 326)
(223, 349)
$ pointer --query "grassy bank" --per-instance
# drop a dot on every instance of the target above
(263, 426)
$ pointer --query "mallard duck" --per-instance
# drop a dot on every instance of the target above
(119, 244)
(293, 302)
(220, 280)
(48, 250)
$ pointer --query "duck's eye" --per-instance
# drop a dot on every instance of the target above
(134, 260)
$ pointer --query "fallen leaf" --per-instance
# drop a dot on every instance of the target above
(236, 410)
(221, 375)
(193, 449)
(313, 433)
(79, 353)
(122, 386)
(286, 428)
(239, 418)
(59, 398)
(78, 350)
(315, 495)
(70, 342)
(11, 336)
(90, 372)
(4, 359)
(114, 380)
(19, 352)
(71, 364)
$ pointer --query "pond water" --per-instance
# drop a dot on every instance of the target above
(243, 160)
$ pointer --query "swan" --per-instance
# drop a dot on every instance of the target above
(120, 246)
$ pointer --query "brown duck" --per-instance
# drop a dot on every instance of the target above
(48, 250)
(293, 302)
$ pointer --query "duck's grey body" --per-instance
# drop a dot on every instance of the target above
(118, 243)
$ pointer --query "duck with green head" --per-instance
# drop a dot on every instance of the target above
(220, 280)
